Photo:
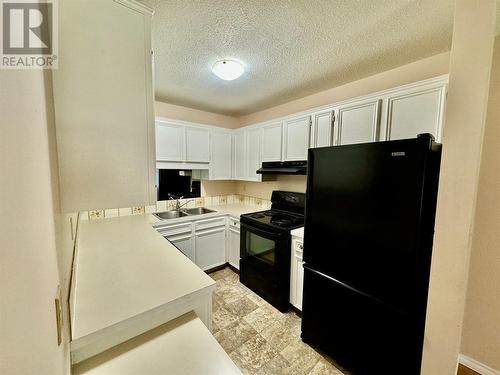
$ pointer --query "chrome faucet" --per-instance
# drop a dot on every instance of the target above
(177, 199)
(178, 204)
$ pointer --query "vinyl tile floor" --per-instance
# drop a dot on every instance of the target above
(260, 339)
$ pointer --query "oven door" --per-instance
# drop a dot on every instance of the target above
(265, 263)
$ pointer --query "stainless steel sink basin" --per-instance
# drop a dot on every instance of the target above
(175, 214)
(198, 211)
(170, 214)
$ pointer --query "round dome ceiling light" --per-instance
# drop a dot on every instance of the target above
(228, 69)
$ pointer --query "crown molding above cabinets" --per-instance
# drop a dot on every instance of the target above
(397, 113)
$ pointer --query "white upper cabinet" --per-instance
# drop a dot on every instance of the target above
(253, 153)
(271, 142)
(103, 100)
(169, 141)
(197, 145)
(322, 129)
(358, 122)
(239, 155)
(176, 142)
(220, 162)
(296, 138)
(415, 111)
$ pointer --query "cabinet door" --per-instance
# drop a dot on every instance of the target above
(197, 145)
(234, 247)
(297, 274)
(169, 141)
(358, 122)
(413, 112)
(220, 163)
(300, 283)
(296, 138)
(184, 244)
(271, 142)
(239, 153)
(253, 153)
(104, 114)
(322, 129)
(210, 248)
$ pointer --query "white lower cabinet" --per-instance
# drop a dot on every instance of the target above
(234, 243)
(202, 241)
(210, 247)
(296, 273)
(185, 244)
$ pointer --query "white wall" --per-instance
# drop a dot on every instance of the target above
(481, 333)
(28, 200)
(470, 64)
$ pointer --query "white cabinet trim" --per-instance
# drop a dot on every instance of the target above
(274, 124)
(404, 94)
(377, 104)
(285, 140)
(274, 149)
(331, 115)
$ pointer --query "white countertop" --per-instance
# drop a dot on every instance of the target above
(181, 346)
(299, 232)
(236, 209)
(126, 268)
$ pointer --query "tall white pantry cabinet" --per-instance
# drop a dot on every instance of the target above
(103, 99)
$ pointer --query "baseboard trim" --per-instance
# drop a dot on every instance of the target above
(476, 365)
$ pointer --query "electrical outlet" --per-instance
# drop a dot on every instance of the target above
(59, 316)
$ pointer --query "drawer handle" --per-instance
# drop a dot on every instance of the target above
(300, 246)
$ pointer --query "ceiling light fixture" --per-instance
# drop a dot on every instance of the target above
(228, 69)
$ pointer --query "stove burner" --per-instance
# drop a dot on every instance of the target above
(257, 216)
(282, 222)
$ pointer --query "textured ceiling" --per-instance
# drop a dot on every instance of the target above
(290, 48)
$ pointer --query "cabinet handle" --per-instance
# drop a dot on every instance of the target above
(300, 246)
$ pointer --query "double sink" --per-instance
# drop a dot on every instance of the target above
(175, 214)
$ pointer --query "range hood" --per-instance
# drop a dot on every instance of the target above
(285, 167)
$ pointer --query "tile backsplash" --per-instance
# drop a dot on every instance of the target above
(218, 200)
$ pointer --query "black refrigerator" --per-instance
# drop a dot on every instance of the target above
(369, 225)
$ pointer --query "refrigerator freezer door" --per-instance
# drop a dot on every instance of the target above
(360, 333)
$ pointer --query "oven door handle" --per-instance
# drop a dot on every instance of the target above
(256, 230)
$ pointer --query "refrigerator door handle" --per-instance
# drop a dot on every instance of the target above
(357, 291)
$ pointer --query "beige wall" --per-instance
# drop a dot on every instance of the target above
(254, 189)
(419, 70)
(264, 189)
(481, 333)
(213, 188)
(470, 63)
(194, 115)
(28, 194)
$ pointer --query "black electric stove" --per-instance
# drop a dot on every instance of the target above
(276, 219)
(265, 247)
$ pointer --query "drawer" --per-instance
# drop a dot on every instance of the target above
(234, 223)
(209, 223)
(176, 229)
